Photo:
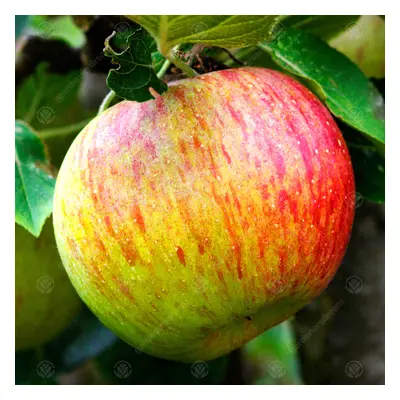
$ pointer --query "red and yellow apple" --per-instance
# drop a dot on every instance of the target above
(192, 223)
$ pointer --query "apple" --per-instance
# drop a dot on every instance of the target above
(45, 301)
(193, 222)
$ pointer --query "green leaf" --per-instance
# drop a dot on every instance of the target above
(135, 74)
(323, 26)
(34, 182)
(216, 30)
(364, 44)
(273, 355)
(346, 91)
(368, 166)
(50, 102)
(62, 27)
(43, 97)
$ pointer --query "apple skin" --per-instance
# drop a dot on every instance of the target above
(192, 223)
(41, 311)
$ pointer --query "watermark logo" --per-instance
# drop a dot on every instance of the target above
(123, 30)
(45, 369)
(354, 369)
(45, 284)
(122, 369)
(175, 53)
(45, 115)
(46, 30)
(278, 286)
(277, 31)
(354, 284)
(357, 115)
(199, 369)
(277, 369)
(354, 199)
(200, 28)
(353, 30)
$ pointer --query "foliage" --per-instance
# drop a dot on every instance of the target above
(215, 30)
(44, 96)
(61, 27)
(135, 74)
(275, 357)
(34, 181)
(324, 26)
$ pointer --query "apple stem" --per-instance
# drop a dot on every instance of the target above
(176, 60)
(163, 70)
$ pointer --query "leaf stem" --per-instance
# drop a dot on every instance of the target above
(164, 69)
(173, 56)
(106, 101)
(63, 130)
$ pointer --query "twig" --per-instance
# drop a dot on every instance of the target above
(233, 57)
